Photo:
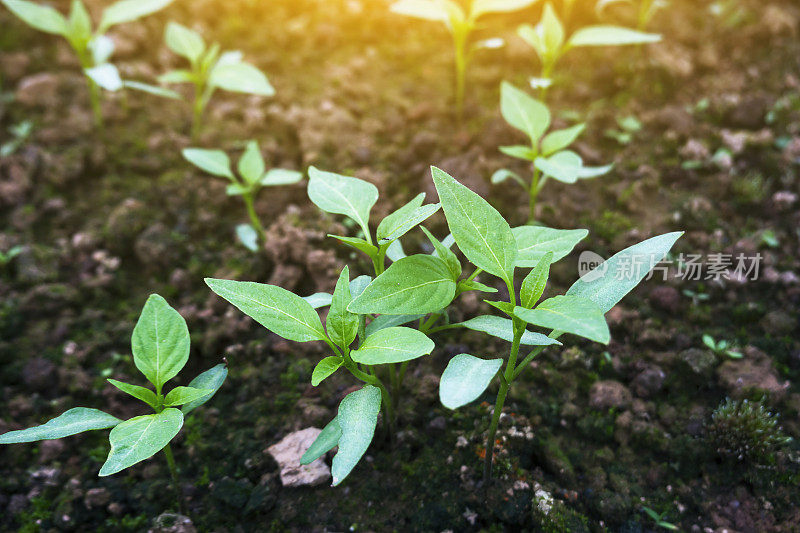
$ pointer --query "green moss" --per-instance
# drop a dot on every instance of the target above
(745, 431)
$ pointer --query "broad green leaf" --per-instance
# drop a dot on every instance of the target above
(211, 380)
(319, 299)
(535, 38)
(358, 285)
(184, 42)
(342, 325)
(552, 31)
(465, 379)
(481, 7)
(395, 251)
(101, 47)
(415, 284)
(184, 395)
(325, 441)
(106, 76)
(241, 78)
(519, 151)
(325, 368)
(358, 243)
(177, 76)
(357, 418)
(503, 328)
(140, 393)
(444, 253)
(128, 10)
(423, 9)
(42, 18)
(280, 311)
(560, 139)
(571, 314)
(80, 24)
(617, 276)
(504, 307)
(501, 175)
(524, 112)
(281, 176)
(248, 236)
(482, 234)
(610, 36)
(534, 283)
(76, 420)
(387, 321)
(392, 345)
(567, 167)
(214, 162)
(140, 438)
(151, 89)
(251, 165)
(534, 242)
(160, 341)
(342, 195)
(418, 216)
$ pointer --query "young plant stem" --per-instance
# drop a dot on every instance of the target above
(94, 99)
(173, 470)
(546, 76)
(198, 108)
(249, 201)
(533, 195)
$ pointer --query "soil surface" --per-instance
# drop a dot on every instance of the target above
(590, 436)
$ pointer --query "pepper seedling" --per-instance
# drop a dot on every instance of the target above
(487, 241)
(548, 154)
(160, 347)
(460, 24)
(93, 47)
(210, 69)
(247, 182)
(549, 40)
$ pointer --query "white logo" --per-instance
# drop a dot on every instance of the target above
(588, 263)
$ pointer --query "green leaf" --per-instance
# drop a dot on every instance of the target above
(552, 31)
(101, 47)
(160, 341)
(533, 36)
(325, 441)
(106, 76)
(567, 167)
(423, 9)
(42, 18)
(504, 307)
(76, 420)
(319, 299)
(534, 283)
(534, 242)
(357, 418)
(248, 236)
(251, 165)
(560, 139)
(501, 175)
(358, 285)
(472, 285)
(520, 152)
(151, 89)
(140, 438)
(325, 368)
(524, 112)
(571, 314)
(387, 321)
(177, 76)
(482, 234)
(444, 253)
(80, 24)
(610, 36)
(395, 251)
(184, 42)
(235, 189)
(281, 176)
(413, 285)
(184, 395)
(503, 328)
(140, 393)
(342, 325)
(240, 78)
(481, 7)
(128, 10)
(465, 379)
(342, 195)
(358, 243)
(617, 276)
(210, 380)
(280, 311)
(392, 345)
(404, 219)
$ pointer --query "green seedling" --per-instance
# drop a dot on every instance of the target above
(645, 10)
(92, 46)
(20, 134)
(658, 518)
(548, 154)
(550, 42)
(107, 77)
(460, 24)
(210, 69)
(160, 346)
(721, 347)
(489, 243)
(7, 257)
(250, 177)
(627, 128)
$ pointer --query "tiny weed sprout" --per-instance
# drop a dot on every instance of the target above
(659, 520)
(489, 243)
(8, 256)
(460, 24)
(645, 10)
(92, 46)
(160, 346)
(19, 136)
(628, 127)
(550, 42)
(721, 347)
(210, 69)
(548, 154)
(251, 175)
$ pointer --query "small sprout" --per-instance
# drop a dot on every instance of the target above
(769, 238)
(160, 346)
(548, 154)
(721, 347)
(92, 46)
(20, 134)
(250, 177)
(7, 257)
(745, 431)
(460, 24)
(628, 127)
(645, 11)
(658, 518)
(210, 69)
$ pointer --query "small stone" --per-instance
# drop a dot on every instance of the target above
(609, 393)
(40, 375)
(50, 449)
(702, 362)
(752, 373)
(666, 298)
(287, 454)
(648, 382)
(97, 497)
(779, 323)
(172, 523)
(439, 423)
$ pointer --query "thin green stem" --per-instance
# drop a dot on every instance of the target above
(533, 353)
(249, 202)
(533, 195)
(173, 470)
(198, 108)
